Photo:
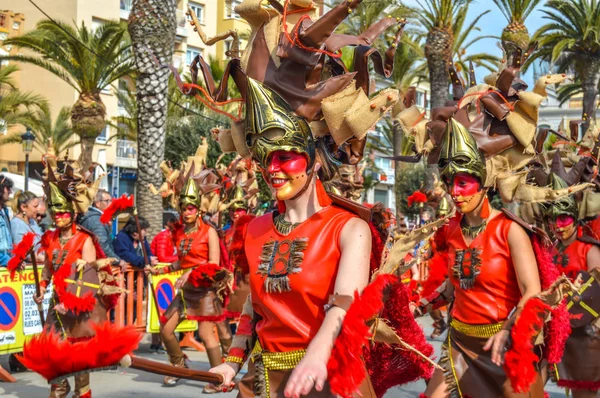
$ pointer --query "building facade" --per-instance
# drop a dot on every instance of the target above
(119, 156)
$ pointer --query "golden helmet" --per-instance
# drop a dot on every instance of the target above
(460, 154)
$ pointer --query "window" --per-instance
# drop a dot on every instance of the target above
(96, 23)
(3, 127)
(230, 8)
(191, 53)
(381, 196)
(123, 88)
(383, 163)
(103, 137)
(126, 5)
(420, 100)
(199, 10)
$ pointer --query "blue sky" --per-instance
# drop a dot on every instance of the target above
(492, 24)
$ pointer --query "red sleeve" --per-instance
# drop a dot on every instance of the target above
(163, 248)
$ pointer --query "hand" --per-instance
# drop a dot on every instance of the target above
(182, 280)
(40, 298)
(228, 371)
(123, 264)
(60, 308)
(153, 260)
(498, 345)
(150, 270)
(80, 264)
(310, 373)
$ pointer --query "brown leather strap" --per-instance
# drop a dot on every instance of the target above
(342, 301)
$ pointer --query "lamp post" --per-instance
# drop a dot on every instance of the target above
(27, 140)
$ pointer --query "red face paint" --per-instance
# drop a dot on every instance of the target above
(286, 173)
(564, 220)
(62, 215)
(238, 213)
(190, 214)
(465, 185)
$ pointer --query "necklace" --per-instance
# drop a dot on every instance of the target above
(282, 226)
(471, 232)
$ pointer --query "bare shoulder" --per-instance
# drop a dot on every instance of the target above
(355, 230)
(593, 258)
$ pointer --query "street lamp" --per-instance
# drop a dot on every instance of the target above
(27, 140)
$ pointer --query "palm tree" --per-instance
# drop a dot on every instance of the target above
(437, 18)
(88, 60)
(16, 107)
(463, 40)
(515, 33)
(152, 27)
(571, 42)
(55, 137)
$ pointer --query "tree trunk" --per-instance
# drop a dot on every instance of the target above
(88, 119)
(438, 51)
(590, 77)
(152, 27)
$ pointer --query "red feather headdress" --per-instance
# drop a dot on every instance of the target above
(117, 206)
(52, 357)
(20, 252)
(416, 197)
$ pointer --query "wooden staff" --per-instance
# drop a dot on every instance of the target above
(164, 369)
(38, 290)
(146, 261)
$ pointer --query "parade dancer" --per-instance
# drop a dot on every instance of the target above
(579, 368)
(202, 285)
(84, 287)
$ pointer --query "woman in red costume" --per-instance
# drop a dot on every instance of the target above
(579, 369)
(199, 251)
(84, 288)
(493, 271)
(301, 258)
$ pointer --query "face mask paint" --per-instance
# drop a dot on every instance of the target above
(564, 226)
(466, 192)
(286, 174)
(190, 214)
(63, 220)
(237, 214)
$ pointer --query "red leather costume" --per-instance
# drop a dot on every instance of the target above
(290, 319)
(495, 291)
(57, 255)
(192, 248)
(572, 259)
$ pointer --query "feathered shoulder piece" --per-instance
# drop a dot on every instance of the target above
(20, 253)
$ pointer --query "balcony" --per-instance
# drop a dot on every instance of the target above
(386, 176)
(126, 154)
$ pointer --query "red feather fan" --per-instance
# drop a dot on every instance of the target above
(204, 275)
(438, 272)
(520, 358)
(345, 368)
(52, 357)
(388, 369)
(416, 197)
(236, 247)
(117, 206)
(559, 326)
(20, 252)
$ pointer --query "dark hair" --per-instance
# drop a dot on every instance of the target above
(22, 198)
(172, 218)
(130, 228)
(5, 182)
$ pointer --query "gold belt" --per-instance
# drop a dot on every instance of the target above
(483, 331)
(274, 361)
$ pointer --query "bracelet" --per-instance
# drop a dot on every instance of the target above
(232, 359)
(166, 270)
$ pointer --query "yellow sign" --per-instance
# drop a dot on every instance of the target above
(19, 316)
(164, 286)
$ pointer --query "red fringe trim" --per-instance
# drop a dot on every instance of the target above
(345, 367)
(51, 356)
(73, 303)
(117, 206)
(236, 248)
(579, 385)
(377, 246)
(204, 275)
(19, 253)
(520, 358)
(225, 260)
(200, 318)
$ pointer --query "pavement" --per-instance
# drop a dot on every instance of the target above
(133, 383)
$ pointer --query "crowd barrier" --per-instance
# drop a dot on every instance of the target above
(19, 317)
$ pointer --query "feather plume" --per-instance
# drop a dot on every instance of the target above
(236, 248)
(20, 252)
(416, 197)
(117, 206)
(520, 358)
(50, 356)
(345, 368)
